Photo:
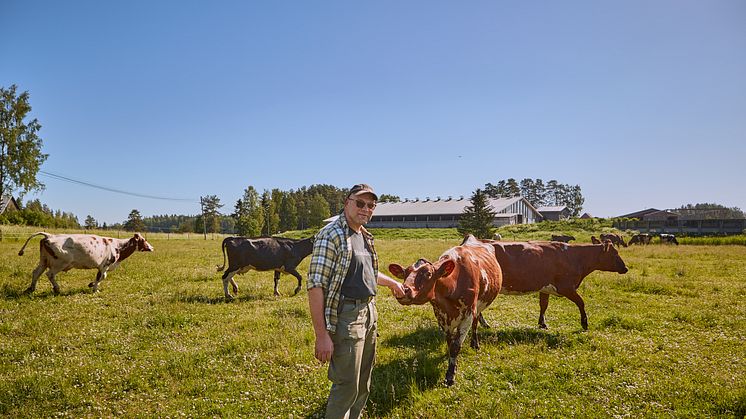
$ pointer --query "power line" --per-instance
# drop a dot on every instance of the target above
(106, 188)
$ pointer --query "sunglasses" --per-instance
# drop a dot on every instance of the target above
(361, 204)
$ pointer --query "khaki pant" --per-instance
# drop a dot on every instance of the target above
(352, 361)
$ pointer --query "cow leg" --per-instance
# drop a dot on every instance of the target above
(298, 277)
(277, 283)
(543, 304)
(455, 339)
(35, 277)
(483, 322)
(454, 347)
(578, 300)
(228, 278)
(474, 338)
(100, 276)
(55, 287)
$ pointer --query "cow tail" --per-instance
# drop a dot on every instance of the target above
(41, 233)
(220, 268)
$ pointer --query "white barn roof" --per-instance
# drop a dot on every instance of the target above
(558, 208)
(438, 207)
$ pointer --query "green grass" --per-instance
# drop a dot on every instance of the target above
(666, 339)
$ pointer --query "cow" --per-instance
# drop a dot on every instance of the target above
(642, 239)
(497, 236)
(263, 254)
(552, 268)
(594, 240)
(562, 238)
(462, 283)
(62, 252)
(668, 239)
(615, 239)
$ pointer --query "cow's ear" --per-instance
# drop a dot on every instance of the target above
(397, 270)
(445, 268)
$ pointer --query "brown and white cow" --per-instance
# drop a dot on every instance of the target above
(615, 239)
(462, 283)
(277, 254)
(553, 268)
(62, 252)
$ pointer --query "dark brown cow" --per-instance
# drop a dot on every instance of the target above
(562, 238)
(462, 283)
(62, 252)
(615, 239)
(553, 268)
(642, 239)
(263, 254)
(594, 240)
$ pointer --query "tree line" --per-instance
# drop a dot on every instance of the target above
(34, 213)
(539, 193)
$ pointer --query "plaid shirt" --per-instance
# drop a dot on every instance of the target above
(330, 261)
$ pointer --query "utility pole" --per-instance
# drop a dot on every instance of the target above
(204, 218)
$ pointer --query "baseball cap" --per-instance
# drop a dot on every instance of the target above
(360, 189)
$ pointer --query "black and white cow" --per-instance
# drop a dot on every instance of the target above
(263, 254)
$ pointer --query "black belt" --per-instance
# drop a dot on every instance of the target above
(365, 300)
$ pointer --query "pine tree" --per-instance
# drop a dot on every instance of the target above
(90, 223)
(477, 218)
(210, 206)
(134, 221)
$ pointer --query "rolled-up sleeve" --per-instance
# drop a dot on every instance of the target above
(322, 263)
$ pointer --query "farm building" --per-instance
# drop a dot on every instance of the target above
(682, 221)
(446, 213)
(8, 203)
(555, 213)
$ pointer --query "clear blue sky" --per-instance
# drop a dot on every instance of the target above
(641, 103)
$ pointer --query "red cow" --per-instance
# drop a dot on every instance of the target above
(62, 252)
(553, 268)
(462, 283)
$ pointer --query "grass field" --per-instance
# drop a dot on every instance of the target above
(666, 339)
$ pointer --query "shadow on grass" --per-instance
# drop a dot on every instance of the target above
(521, 336)
(397, 380)
(12, 293)
(202, 299)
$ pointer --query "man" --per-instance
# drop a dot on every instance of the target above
(342, 282)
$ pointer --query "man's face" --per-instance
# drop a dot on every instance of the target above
(359, 209)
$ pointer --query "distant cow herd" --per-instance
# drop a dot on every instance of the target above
(464, 281)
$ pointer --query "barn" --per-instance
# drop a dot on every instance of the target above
(446, 213)
(8, 203)
(555, 213)
(682, 221)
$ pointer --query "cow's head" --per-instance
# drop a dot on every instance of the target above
(610, 260)
(420, 278)
(142, 244)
